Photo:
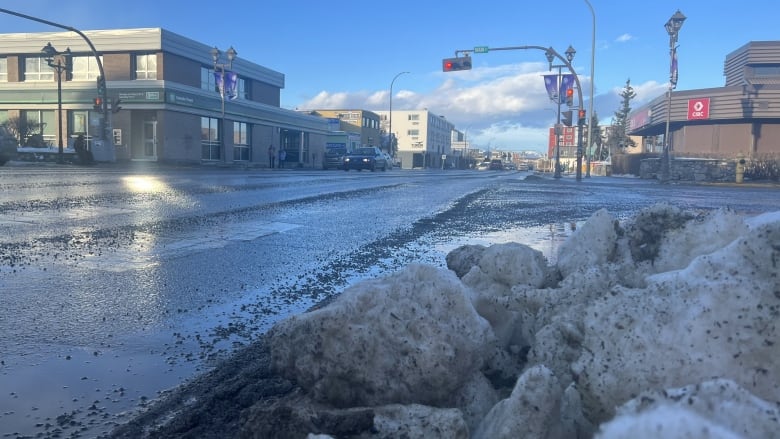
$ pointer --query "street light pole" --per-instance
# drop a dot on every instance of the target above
(60, 62)
(673, 26)
(592, 87)
(390, 117)
(231, 55)
(558, 129)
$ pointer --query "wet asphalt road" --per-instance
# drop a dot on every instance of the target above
(117, 282)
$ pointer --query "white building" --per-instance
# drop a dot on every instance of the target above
(424, 138)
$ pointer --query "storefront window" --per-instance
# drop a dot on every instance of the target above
(210, 138)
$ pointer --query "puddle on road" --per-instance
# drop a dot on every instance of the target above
(148, 249)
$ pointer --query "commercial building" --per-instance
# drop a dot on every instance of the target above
(364, 122)
(424, 139)
(167, 85)
(742, 117)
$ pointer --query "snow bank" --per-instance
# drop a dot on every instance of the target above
(713, 406)
(412, 337)
(663, 322)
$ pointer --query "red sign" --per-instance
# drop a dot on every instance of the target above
(698, 108)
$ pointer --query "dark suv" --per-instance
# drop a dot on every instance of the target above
(334, 158)
(7, 146)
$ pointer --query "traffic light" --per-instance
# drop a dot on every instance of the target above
(581, 119)
(570, 97)
(97, 104)
(566, 118)
(101, 86)
(115, 105)
(455, 64)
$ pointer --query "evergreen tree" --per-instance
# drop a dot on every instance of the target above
(618, 135)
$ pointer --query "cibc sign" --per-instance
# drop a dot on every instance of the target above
(698, 108)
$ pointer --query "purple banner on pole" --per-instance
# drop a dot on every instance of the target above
(673, 69)
(218, 82)
(231, 85)
(567, 82)
(551, 83)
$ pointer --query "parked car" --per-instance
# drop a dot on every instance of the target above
(334, 158)
(8, 146)
(483, 166)
(496, 165)
(367, 157)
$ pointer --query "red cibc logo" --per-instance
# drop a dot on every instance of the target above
(698, 108)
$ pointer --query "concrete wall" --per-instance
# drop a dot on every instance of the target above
(692, 170)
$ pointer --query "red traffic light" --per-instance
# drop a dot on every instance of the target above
(570, 97)
(581, 115)
(98, 104)
(455, 64)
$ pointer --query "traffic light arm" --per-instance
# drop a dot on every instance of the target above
(551, 53)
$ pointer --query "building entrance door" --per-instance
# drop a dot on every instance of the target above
(148, 150)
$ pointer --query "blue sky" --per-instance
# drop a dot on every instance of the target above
(345, 54)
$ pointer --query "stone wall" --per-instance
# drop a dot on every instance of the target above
(691, 169)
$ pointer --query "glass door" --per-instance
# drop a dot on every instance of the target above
(149, 150)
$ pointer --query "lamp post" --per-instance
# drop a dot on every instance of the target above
(219, 68)
(673, 26)
(550, 57)
(390, 116)
(592, 86)
(60, 62)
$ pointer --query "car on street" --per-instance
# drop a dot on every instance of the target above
(366, 157)
(334, 158)
(496, 165)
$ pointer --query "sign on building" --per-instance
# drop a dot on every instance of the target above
(698, 108)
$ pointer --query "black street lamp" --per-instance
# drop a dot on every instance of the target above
(60, 62)
(230, 54)
(570, 52)
(673, 26)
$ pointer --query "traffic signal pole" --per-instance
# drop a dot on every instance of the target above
(551, 54)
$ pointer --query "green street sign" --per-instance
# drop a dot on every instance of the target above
(481, 49)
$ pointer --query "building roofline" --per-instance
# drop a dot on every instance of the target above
(133, 40)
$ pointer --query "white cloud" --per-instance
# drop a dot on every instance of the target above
(623, 38)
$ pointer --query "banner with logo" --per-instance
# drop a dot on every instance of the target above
(231, 85)
(226, 84)
(558, 94)
(567, 82)
(551, 84)
(218, 84)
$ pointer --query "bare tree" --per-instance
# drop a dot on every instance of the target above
(24, 131)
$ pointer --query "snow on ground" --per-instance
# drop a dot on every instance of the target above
(664, 325)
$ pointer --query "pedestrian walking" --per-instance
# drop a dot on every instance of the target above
(282, 157)
(84, 154)
(271, 155)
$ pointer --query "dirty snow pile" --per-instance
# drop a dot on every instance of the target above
(663, 325)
